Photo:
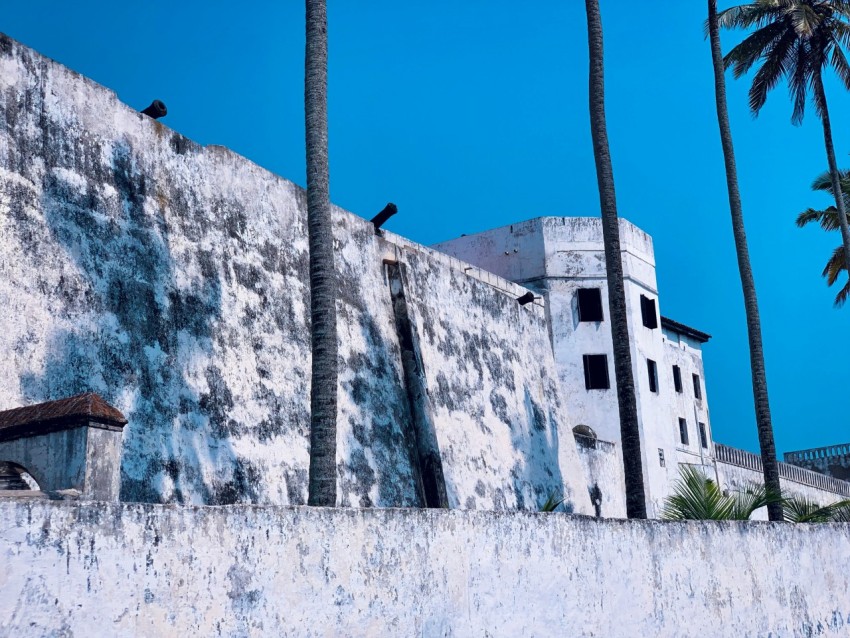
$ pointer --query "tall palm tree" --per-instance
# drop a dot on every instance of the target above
(828, 220)
(629, 430)
(796, 39)
(748, 284)
(323, 333)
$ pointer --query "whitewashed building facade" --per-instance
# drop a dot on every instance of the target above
(563, 259)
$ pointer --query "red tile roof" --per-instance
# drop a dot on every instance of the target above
(59, 415)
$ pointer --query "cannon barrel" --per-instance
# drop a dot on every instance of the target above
(156, 110)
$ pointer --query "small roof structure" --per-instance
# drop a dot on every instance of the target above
(88, 408)
(684, 330)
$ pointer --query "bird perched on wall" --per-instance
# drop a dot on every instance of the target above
(156, 110)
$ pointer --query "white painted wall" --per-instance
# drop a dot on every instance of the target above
(172, 279)
(573, 257)
(147, 570)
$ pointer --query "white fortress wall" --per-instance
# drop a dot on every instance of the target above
(172, 279)
(130, 569)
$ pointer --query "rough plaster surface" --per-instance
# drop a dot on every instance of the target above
(172, 279)
(129, 570)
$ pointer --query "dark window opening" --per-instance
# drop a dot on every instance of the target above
(589, 304)
(652, 369)
(683, 431)
(596, 372)
(697, 387)
(703, 438)
(677, 378)
(661, 457)
(647, 310)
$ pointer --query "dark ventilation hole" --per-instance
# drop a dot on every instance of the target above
(596, 499)
(703, 437)
(15, 477)
(652, 370)
(697, 387)
(683, 431)
(648, 311)
(596, 372)
(677, 378)
(585, 436)
(589, 304)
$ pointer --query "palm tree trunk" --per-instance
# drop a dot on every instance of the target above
(629, 430)
(834, 175)
(762, 405)
(323, 383)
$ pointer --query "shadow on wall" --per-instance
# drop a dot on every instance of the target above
(145, 335)
(538, 470)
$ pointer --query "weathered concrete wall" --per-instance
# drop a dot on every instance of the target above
(603, 467)
(172, 279)
(132, 570)
(86, 458)
(559, 255)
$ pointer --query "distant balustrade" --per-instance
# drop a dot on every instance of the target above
(814, 454)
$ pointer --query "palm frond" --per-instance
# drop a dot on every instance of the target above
(841, 512)
(834, 266)
(695, 497)
(756, 14)
(799, 509)
(749, 500)
(750, 50)
(826, 219)
(842, 295)
(840, 65)
(552, 502)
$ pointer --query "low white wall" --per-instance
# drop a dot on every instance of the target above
(127, 569)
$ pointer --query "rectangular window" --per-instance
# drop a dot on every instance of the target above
(647, 310)
(683, 431)
(697, 387)
(596, 372)
(652, 369)
(589, 304)
(703, 438)
(677, 378)
(661, 457)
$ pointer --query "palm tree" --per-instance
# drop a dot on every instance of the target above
(697, 498)
(629, 431)
(748, 284)
(828, 220)
(323, 346)
(796, 39)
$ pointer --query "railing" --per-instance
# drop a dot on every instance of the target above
(750, 461)
(591, 442)
(828, 452)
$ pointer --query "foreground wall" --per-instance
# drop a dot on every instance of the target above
(172, 279)
(121, 570)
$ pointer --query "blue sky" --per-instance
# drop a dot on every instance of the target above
(471, 115)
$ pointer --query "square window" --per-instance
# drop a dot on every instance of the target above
(652, 369)
(677, 378)
(596, 372)
(697, 387)
(703, 437)
(683, 431)
(648, 312)
(589, 304)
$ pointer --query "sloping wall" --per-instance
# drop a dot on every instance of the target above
(172, 279)
(148, 570)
